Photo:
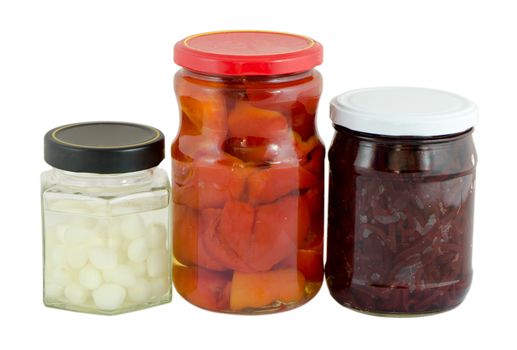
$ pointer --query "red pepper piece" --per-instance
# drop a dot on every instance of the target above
(212, 185)
(252, 149)
(316, 161)
(309, 262)
(246, 120)
(188, 246)
(302, 122)
(276, 231)
(237, 225)
(216, 244)
(204, 288)
(270, 184)
(303, 148)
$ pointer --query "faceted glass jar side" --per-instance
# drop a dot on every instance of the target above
(400, 222)
(248, 191)
(106, 240)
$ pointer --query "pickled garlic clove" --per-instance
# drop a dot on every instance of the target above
(140, 291)
(90, 278)
(103, 257)
(156, 236)
(138, 250)
(76, 256)
(123, 275)
(76, 294)
(131, 227)
(109, 296)
(157, 263)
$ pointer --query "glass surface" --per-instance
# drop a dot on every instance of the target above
(106, 241)
(400, 222)
(248, 192)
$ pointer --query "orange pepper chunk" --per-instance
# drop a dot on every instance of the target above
(247, 120)
(260, 289)
(210, 185)
(272, 183)
(188, 247)
(204, 288)
(277, 229)
(203, 103)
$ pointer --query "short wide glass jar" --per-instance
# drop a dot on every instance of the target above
(248, 172)
(105, 208)
(401, 200)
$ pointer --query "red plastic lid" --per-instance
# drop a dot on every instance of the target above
(248, 53)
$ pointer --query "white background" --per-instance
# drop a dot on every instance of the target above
(69, 61)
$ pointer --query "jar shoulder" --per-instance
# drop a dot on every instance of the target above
(442, 156)
(96, 185)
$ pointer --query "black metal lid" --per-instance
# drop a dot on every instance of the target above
(104, 147)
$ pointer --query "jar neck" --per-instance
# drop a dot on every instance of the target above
(408, 140)
(282, 78)
(103, 180)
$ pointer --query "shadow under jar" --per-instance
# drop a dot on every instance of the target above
(401, 200)
(248, 172)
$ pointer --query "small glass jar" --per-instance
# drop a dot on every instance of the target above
(401, 200)
(248, 172)
(105, 207)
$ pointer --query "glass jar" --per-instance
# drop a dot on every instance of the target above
(105, 207)
(248, 172)
(401, 200)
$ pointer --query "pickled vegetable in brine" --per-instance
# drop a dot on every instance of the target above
(247, 192)
(400, 222)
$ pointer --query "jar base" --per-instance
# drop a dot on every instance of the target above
(397, 314)
(311, 289)
(55, 304)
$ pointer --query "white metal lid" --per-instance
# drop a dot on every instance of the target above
(403, 111)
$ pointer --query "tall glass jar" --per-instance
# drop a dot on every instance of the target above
(248, 172)
(401, 200)
(105, 206)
